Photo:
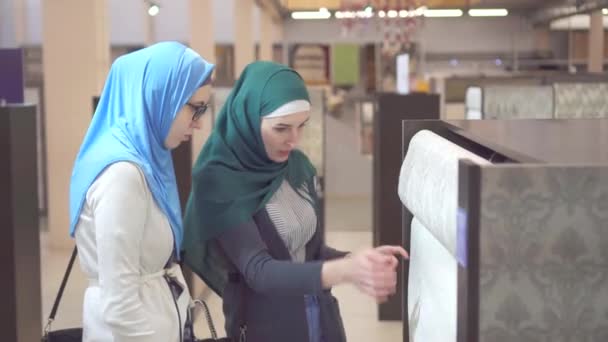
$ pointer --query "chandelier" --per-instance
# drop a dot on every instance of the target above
(396, 20)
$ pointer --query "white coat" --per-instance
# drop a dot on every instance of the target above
(124, 242)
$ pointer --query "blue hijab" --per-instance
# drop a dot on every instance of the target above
(144, 91)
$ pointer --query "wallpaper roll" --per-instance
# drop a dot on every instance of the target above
(432, 288)
(428, 187)
(428, 183)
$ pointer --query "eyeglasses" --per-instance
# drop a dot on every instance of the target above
(199, 110)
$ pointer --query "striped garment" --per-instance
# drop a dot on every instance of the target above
(294, 218)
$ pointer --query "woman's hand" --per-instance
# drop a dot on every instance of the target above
(372, 270)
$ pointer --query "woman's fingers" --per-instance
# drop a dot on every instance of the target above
(393, 250)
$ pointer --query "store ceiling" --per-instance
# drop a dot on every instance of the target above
(519, 4)
(293, 5)
(540, 12)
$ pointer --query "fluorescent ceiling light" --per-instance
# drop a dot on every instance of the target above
(322, 13)
(438, 13)
(490, 12)
(605, 11)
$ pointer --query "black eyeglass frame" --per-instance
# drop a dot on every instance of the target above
(199, 110)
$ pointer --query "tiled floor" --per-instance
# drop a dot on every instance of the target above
(359, 312)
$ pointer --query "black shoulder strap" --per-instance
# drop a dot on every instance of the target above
(63, 283)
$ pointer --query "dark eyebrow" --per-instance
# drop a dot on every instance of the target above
(287, 125)
(198, 103)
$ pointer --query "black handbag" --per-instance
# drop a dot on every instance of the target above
(242, 334)
(64, 335)
(190, 331)
(75, 334)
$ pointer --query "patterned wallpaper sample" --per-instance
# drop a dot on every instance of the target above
(517, 102)
(581, 100)
(544, 254)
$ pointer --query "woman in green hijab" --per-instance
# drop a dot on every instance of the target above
(251, 227)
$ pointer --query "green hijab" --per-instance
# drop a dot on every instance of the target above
(233, 178)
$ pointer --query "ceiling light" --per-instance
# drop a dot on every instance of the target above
(153, 9)
(605, 11)
(392, 14)
(312, 15)
(345, 15)
(420, 11)
(437, 13)
(365, 14)
(403, 13)
(381, 14)
(490, 12)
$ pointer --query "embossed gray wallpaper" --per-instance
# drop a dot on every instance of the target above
(544, 254)
(517, 102)
(581, 100)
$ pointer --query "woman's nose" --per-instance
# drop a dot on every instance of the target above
(294, 138)
(198, 124)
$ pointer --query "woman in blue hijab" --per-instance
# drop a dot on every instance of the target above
(124, 207)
